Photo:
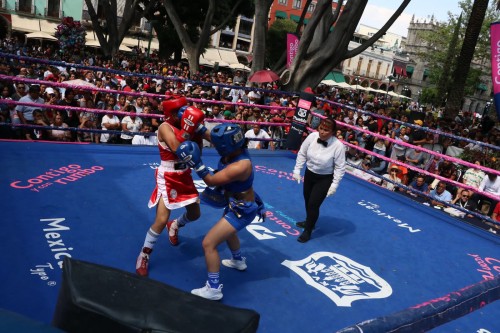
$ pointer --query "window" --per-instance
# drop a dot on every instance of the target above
(370, 62)
(312, 7)
(379, 65)
(360, 62)
(53, 8)
(283, 2)
(24, 6)
(297, 4)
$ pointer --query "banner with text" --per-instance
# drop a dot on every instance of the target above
(299, 122)
(495, 63)
(292, 45)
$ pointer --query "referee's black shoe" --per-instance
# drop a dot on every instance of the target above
(305, 237)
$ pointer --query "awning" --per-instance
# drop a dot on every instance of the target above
(426, 72)
(295, 18)
(306, 21)
(409, 69)
(228, 56)
(335, 76)
(482, 87)
(25, 24)
(280, 14)
(398, 70)
(212, 54)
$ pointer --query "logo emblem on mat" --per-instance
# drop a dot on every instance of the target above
(173, 194)
(340, 278)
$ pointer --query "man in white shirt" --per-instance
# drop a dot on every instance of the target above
(148, 138)
(256, 133)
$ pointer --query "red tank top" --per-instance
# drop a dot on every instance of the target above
(165, 153)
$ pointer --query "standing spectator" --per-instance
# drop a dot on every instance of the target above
(110, 122)
(256, 133)
(324, 157)
(414, 157)
(472, 177)
(495, 216)
(130, 123)
(25, 112)
(491, 185)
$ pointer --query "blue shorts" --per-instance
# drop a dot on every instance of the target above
(240, 213)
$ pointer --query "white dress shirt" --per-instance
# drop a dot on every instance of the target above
(320, 159)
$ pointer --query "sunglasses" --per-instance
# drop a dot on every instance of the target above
(465, 196)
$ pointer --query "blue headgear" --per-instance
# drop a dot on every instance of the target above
(181, 111)
(227, 138)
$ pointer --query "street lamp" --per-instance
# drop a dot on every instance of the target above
(390, 78)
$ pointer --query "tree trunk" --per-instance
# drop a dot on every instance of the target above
(260, 34)
(456, 94)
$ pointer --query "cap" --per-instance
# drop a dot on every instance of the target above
(419, 122)
(49, 91)
(228, 113)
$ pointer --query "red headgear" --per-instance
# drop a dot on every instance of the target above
(171, 106)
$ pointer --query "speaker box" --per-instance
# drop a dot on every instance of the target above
(95, 298)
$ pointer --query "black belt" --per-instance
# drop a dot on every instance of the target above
(180, 166)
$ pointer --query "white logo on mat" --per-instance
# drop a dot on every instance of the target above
(340, 278)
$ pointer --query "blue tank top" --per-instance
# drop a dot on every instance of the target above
(238, 186)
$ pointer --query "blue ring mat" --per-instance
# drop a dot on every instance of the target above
(373, 252)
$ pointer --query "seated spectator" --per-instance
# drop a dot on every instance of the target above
(465, 201)
(87, 136)
(364, 174)
(393, 177)
(40, 120)
(440, 193)
(256, 133)
(59, 134)
(147, 138)
(419, 184)
(403, 175)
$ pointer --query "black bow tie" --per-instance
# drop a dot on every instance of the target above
(324, 143)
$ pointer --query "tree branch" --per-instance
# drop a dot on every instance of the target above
(228, 17)
(380, 33)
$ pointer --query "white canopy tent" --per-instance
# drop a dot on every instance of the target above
(41, 35)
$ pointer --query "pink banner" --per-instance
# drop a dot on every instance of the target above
(292, 45)
(495, 63)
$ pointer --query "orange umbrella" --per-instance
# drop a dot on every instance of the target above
(264, 75)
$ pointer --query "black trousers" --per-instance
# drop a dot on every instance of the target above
(315, 189)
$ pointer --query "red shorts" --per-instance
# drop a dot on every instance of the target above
(175, 187)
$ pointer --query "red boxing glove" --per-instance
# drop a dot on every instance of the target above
(191, 122)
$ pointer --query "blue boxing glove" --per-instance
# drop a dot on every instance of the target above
(190, 153)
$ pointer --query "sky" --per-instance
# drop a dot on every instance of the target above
(377, 12)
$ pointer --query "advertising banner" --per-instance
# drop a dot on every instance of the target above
(292, 45)
(299, 122)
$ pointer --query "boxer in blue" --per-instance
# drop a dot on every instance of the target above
(235, 179)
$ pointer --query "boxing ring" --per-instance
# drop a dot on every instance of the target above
(373, 252)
